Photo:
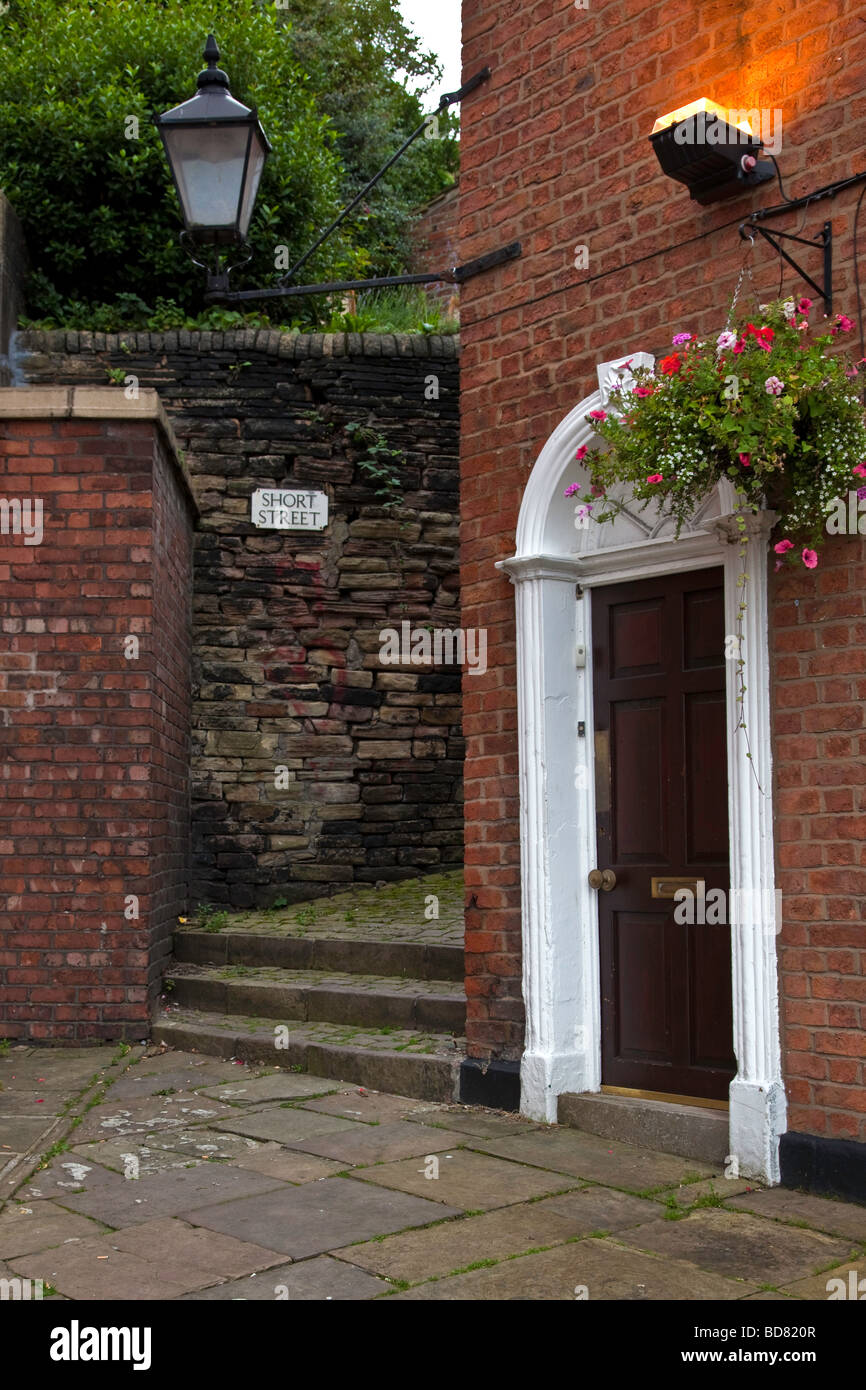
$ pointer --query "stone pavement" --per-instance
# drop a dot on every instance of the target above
(158, 1174)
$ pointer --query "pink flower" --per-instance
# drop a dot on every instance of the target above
(739, 345)
(861, 493)
(844, 325)
(851, 372)
(810, 559)
(859, 469)
(745, 459)
(643, 391)
(581, 453)
(598, 415)
(572, 489)
(726, 340)
(773, 386)
(655, 478)
(803, 305)
(680, 339)
(778, 564)
(781, 546)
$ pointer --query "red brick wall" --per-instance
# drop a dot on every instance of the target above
(819, 663)
(436, 242)
(554, 153)
(93, 742)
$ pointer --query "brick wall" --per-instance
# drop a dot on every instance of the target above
(94, 734)
(286, 625)
(436, 243)
(554, 153)
(819, 666)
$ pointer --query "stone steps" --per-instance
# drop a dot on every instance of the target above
(417, 960)
(320, 996)
(360, 986)
(404, 1062)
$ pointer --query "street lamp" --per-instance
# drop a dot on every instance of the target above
(216, 150)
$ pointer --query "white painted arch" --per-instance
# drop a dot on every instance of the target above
(557, 798)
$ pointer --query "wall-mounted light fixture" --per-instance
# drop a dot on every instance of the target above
(712, 151)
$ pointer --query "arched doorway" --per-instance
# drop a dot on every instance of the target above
(555, 570)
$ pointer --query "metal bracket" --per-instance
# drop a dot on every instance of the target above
(218, 293)
(823, 239)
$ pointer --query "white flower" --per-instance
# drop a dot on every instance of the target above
(725, 340)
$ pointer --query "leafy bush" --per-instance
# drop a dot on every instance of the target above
(93, 191)
(399, 310)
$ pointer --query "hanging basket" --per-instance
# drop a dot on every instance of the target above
(765, 404)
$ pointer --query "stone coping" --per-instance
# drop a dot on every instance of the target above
(96, 403)
(268, 341)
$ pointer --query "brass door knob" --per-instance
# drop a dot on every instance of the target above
(604, 879)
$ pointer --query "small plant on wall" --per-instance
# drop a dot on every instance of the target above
(377, 462)
(765, 405)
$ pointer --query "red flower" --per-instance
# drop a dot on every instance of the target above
(670, 365)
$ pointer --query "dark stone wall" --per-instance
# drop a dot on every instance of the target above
(286, 670)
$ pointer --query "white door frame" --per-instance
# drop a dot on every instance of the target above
(561, 986)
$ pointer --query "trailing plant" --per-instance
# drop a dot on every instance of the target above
(766, 406)
(377, 462)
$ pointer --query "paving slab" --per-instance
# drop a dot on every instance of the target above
(372, 1107)
(138, 1083)
(132, 1157)
(321, 1278)
(38, 1103)
(382, 1143)
(22, 1132)
(127, 1203)
(68, 1069)
(801, 1208)
(310, 1220)
(206, 1143)
(599, 1160)
(25, 1229)
(65, 1175)
(484, 1124)
(419, 1255)
(733, 1243)
(288, 1165)
(769, 1296)
(600, 1267)
(288, 1126)
(473, 1181)
(171, 1059)
(150, 1113)
(88, 1270)
(821, 1286)
(197, 1252)
(282, 1086)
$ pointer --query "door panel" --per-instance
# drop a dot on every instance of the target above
(662, 799)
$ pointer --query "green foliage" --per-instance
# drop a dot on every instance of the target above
(377, 462)
(210, 918)
(764, 406)
(404, 309)
(98, 208)
(353, 51)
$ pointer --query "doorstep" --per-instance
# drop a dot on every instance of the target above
(690, 1131)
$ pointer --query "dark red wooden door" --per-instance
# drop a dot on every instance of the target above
(662, 812)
